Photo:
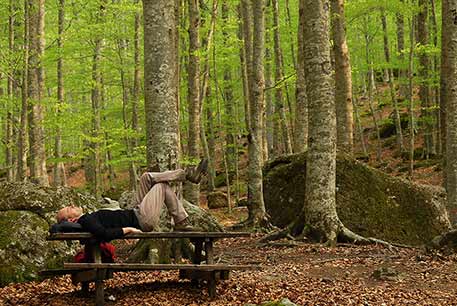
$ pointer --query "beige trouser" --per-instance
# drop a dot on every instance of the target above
(153, 191)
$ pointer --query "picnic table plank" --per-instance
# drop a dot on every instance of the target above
(137, 266)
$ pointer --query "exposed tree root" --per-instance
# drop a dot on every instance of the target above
(447, 241)
(296, 231)
(262, 225)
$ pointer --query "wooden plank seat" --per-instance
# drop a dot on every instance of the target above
(203, 266)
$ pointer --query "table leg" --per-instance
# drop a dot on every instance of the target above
(209, 251)
(212, 285)
(85, 288)
(99, 289)
(198, 252)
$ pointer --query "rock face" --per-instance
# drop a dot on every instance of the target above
(26, 212)
(217, 199)
(369, 202)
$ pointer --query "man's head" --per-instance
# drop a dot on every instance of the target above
(69, 213)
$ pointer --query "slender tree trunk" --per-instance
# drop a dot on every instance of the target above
(411, 99)
(403, 89)
(10, 92)
(191, 191)
(301, 111)
(161, 81)
(359, 127)
(38, 172)
(370, 97)
(436, 91)
(228, 97)
(450, 31)
(320, 207)
(257, 213)
(343, 80)
(397, 122)
(270, 108)
(424, 90)
(246, 26)
(445, 29)
(22, 138)
(279, 75)
(60, 178)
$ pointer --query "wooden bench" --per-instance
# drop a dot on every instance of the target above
(203, 266)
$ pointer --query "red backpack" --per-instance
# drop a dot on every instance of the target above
(108, 252)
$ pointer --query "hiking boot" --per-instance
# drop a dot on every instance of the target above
(195, 175)
(186, 226)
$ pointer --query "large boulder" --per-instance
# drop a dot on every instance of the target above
(369, 202)
(26, 212)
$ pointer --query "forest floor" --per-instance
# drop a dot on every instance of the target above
(306, 274)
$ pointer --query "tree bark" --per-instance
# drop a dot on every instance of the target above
(343, 80)
(161, 80)
(9, 143)
(424, 89)
(403, 89)
(320, 207)
(445, 29)
(269, 105)
(450, 32)
(192, 191)
(279, 76)
(257, 212)
(22, 138)
(301, 110)
(246, 56)
(60, 178)
(38, 172)
(411, 98)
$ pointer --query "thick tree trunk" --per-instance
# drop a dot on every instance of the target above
(257, 212)
(343, 79)
(450, 31)
(411, 98)
(301, 110)
(320, 207)
(279, 75)
(60, 178)
(399, 133)
(161, 79)
(38, 172)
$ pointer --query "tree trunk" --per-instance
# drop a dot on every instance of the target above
(320, 207)
(445, 39)
(397, 122)
(22, 139)
(359, 128)
(403, 89)
(38, 172)
(279, 75)
(95, 183)
(161, 80)
(270, 108)
(191, 191)
(411, 98)
(436, 90)
(257, 212)
(246, 56)
(9, 152)
(301, 110)
(60, 178)
(343, 80)
(424, 89)
(450, 32)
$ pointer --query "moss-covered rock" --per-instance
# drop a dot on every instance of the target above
(23, 247)
(217, 199)
(26, 212)
(369, 202)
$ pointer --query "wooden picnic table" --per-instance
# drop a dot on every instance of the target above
(203, 266)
